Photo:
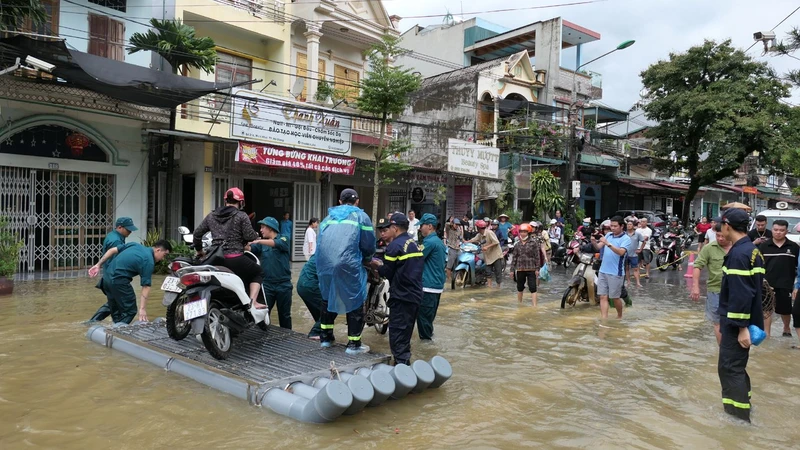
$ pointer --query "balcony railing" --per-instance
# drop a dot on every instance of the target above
(371, 127)
(263, 9)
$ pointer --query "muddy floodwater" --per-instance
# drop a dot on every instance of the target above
(523, 377)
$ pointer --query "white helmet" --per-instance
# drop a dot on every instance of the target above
(553, 221)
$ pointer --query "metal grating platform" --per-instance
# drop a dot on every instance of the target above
(272, 358)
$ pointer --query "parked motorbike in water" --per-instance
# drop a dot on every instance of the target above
(559, 254)
(376, 308)
(205, 299)
(670, 252)
(572, 251)
(581, 287)
(471, 269)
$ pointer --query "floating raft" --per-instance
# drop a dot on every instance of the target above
(280, 369)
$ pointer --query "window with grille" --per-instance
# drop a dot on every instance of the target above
(302, 72)
(106, 37)
(230, 69)
(346, 81)
(118, 5)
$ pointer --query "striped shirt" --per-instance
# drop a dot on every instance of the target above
(780, 263)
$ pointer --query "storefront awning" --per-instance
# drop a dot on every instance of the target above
(672, 186)
(641, 184)
(116, 79)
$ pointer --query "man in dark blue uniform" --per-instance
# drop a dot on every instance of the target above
(403, 265)
(123, 228)
(133, 259)
(739, 307)
(273, 252)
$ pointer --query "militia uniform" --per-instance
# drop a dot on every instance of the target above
(739, 307)
(403, 268)
(433, 278)
(114, 239)
(276, 273)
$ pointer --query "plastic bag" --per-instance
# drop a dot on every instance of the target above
(544, 273)
(757, 335)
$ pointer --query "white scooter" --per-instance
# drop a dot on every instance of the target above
(210, 301)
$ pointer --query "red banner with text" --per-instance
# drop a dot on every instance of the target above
(271, 155)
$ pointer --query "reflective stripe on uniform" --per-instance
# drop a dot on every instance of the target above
(348, 222)
(354, 338)
(744, 273)
(326, 327)
(410, 255)
(742, 316)
(728, 401)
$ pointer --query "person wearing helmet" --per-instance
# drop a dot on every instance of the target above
(230, 227)
(492, 254)
(526, 262)
(273, 252)
(453, 236)
(497, 233)
(675, 226)
(554, 233)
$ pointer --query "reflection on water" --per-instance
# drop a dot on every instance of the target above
(523, 377)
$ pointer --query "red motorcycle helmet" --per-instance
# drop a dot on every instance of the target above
(480, 224)
(526, 227)
(234, 194)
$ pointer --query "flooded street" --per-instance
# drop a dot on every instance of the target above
(523, 377)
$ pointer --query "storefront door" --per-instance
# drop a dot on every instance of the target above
(307, 204)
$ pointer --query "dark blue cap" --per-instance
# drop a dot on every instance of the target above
(399, 219)
(736, 217)
(125, 222)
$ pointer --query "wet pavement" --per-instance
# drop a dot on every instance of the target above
(523, 377)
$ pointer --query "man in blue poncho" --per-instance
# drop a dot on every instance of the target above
(346, 241)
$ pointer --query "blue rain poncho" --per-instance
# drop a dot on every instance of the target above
(346, 241)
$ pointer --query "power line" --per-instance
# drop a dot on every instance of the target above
(776, 26)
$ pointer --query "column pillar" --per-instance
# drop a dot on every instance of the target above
(312, 45)
(496, 120)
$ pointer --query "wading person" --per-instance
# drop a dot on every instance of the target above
(739, 307)
(230, 226)
(310, 238)
(647, 234)
(526, 262)
(131, 260)
(273, 252)
(611, 276)
(711, 257)
(433, 275)
(346, 243)
(123, 228)
(780, 262)
(403, 266)
(634, 250)
(308, 290)
(453, 236)
(492, 254)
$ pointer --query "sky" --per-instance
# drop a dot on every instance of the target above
(658, 26)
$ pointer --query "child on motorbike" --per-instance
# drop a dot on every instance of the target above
(526, 262)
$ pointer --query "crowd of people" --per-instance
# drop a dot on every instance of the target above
(751, 274)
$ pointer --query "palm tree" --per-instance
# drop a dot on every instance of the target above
(177, 43)
(14, 12)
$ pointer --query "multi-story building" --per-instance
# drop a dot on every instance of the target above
(73, 155)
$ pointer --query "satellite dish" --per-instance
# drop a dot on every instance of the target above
(297, 87)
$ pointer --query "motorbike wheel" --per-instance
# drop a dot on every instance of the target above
(216, 336)
(571, 296)
(459, 279)
(661, 262)
(177, 328)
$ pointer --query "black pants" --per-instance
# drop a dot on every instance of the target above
(121, 301)
(245, 268)
(281, 296)
(732, 371)
(521, 276)
(783, 301)
(796, 313)
(427, 314)
(312, 299)
(355, 323)
(105, 310)
(497, 269)
(402, 317)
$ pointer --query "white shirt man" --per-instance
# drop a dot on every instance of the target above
(647, 234)
(413, 225)
(310, 239)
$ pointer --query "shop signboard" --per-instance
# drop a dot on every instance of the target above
(468, 158)
(271, 155)
(258, 117)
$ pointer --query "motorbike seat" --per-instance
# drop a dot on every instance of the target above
(223, 269)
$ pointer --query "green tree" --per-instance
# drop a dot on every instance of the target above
(177, 43)
(715, 106)
(14, 12)
(546, 198)
(384, 93)
(788, 46)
